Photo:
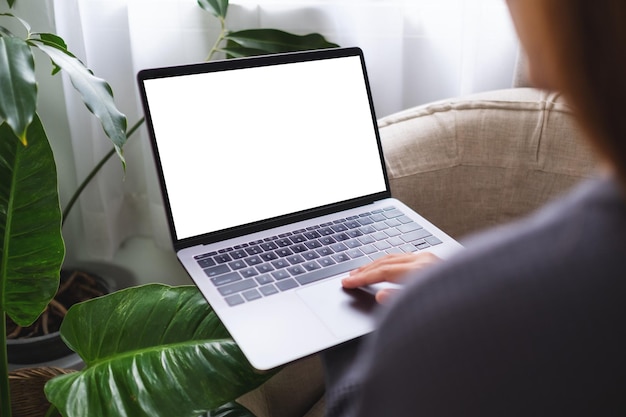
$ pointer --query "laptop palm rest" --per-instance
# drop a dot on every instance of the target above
(345, 313)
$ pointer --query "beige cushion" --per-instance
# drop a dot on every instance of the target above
(477, 161)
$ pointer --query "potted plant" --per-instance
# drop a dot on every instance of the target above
(32, 248)
(31, 244)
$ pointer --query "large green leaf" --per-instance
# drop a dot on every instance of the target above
(152, 350)
(217, 8)
(95, 92)
(18, 87)
(267, 41)
(31, 245)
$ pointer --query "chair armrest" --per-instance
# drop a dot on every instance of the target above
(480, 160)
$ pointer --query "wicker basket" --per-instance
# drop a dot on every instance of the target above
(27, 396)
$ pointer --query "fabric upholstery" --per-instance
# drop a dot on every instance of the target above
(470, 163)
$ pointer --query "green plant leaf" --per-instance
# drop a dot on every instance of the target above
(95, 92)
(51, 38)
(152, 350)
(217, 8)
(32, 250)
(267, 41)
(18, 87)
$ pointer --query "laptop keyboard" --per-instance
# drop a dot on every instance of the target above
(280, 263)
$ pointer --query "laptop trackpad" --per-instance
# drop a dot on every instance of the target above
(346, 313)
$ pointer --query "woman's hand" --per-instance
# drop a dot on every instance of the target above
(390, 268)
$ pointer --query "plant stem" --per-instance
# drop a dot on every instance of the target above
(94, 171)
(5, 391)
(219, 39)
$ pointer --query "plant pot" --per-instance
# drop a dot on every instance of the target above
(38, 349)
(49, 348)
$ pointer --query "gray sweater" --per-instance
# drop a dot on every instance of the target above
(530, 320)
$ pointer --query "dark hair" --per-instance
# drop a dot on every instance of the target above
(590, 43)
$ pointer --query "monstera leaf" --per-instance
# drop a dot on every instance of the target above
(151, 350)
(270, 41)
(31, 245)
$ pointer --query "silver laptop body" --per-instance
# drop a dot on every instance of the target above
(275, 187)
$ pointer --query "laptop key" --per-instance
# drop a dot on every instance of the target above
(223, 258)
(338, 247)
(248, 272)
(415, 235)
(295, 259)
(298, 238)
(251, 295)
(254, 260)
(326, 261)
(369, 249)
(237, 265)
(341, 257)
(433, 240)
(234, 300)
(238, 254)
(237, 287)
(310, 255)
(263, 279)
(282, 274)
(269, 246)
(393, 213)
(286, 284)
(268, 290)
(280, 263)
(268, 256)
(217, 270)
(254, 250)
(325, 251)
(409, 227)
(407, 248)
(332, 270)
(377, 255)
(311, 266)
(284, 242)
(206, 263)
(284, 252)
(313, 244)
(225, 279)
(312, 235)
(296, 270)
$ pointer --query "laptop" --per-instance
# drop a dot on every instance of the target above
(274, 184)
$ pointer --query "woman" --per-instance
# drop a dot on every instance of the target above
(530, 320)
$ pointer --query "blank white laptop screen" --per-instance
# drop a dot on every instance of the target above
(246, 145)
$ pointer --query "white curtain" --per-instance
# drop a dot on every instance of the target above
(417, 51)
